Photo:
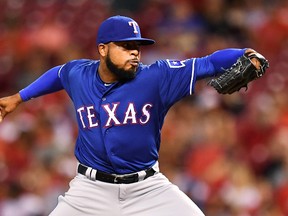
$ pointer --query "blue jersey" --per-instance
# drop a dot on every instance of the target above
(120, 124)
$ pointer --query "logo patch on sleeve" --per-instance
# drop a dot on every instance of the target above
(175, 63)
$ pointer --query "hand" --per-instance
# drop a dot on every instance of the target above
(255, 61)
(9, 104)
(252, 65)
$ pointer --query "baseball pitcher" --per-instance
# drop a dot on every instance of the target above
(120, 106)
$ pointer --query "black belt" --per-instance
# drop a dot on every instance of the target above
(113, 178)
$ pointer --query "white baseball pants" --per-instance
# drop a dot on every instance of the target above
(155, 196)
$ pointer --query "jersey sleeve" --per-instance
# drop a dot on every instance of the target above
(48, 83)
(177, 79)
(213, 64)
(64, 75)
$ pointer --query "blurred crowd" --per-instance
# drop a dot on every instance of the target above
(229, 153)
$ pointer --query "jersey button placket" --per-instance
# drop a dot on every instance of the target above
(107, 131)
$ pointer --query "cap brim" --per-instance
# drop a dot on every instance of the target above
(142, 41)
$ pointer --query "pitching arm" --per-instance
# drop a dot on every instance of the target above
(47, 83)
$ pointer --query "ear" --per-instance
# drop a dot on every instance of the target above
(102, 49)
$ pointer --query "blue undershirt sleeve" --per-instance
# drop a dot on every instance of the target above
(49, 82)
(225, 58)
(214, 64)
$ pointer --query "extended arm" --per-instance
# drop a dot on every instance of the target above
(47, 83)
(249, 67)
(214, 64)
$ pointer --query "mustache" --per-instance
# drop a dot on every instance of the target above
(121, 74)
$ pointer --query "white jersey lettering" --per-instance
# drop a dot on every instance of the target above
(111, 114)
(91, 115)
(88, 115)
(146, 114)
(130, 114)
(80, 110)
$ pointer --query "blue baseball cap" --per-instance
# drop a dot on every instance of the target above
(121, 28)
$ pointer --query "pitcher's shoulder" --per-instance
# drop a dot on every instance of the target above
(82, 62)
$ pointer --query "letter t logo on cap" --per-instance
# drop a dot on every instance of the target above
(134, 24)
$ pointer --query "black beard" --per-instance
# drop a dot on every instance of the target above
(121, 74)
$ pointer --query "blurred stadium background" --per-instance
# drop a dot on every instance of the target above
(228, 153)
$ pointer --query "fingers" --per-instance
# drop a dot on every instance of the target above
(2, 114)
(249, 50)
(254, 60)
(256, 63)
(258, 60)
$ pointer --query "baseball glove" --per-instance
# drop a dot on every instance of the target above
(240, 74)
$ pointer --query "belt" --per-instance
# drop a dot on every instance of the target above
(94, 175)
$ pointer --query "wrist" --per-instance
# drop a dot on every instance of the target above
(17, 98)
